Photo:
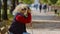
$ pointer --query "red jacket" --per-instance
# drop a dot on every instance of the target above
(22, 19)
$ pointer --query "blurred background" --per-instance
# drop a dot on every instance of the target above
(45, 13)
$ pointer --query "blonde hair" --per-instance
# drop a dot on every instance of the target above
(19, 7)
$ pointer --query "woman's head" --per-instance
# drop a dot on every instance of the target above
(22, 8)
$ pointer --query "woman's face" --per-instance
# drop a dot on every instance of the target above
(24, 10)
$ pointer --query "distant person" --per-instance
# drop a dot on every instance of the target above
(36, 6)
(40, 7)
(55, 11)
(22, 17)
(49, 7)
(45, 8)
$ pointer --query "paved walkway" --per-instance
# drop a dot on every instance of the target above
(45, 27)
(43, 31)
(36, 15)
(37, 12)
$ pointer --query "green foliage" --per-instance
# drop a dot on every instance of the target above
(27, 1)
(53, 1)
(45, 1)
(58, 3)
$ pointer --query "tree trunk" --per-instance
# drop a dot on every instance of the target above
(4, 15)
(12, 6)
(0, 9)
(17, 2)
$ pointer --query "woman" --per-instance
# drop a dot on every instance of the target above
(22, 17)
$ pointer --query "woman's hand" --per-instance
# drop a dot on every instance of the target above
(28, 11)
(25, 14)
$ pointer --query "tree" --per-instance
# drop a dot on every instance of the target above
(4, 15)
(53, 1)
(45, 1)
(0, 9)
(27, 1)
(58, 3)
(17, 2)
(12, 5)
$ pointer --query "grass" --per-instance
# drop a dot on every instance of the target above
(10, 16)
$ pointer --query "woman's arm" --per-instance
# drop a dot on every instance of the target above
(29, 18)
(20, 18)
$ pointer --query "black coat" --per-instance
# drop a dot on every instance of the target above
(17, 27)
